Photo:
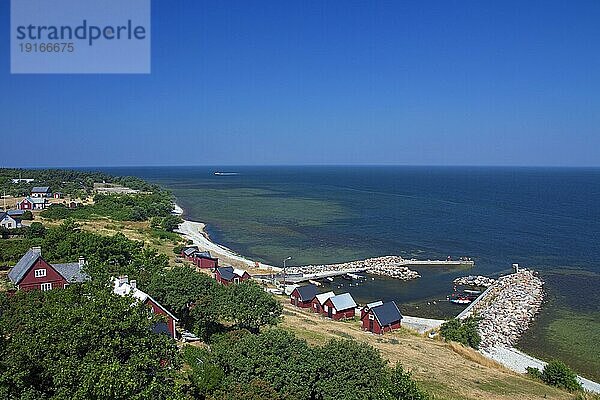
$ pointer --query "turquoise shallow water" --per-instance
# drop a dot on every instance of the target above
(544, 218)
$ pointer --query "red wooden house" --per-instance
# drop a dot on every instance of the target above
(302, 296)
(32, 203)
(381, 318)
(339, 307)
(123, 287)
(32, 272)
(229, 275)
(319, 301)
(202, 259)
(366, 308)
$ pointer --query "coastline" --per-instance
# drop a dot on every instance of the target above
(195, 231)
(509, 357)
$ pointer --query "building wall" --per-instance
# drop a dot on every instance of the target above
(349, 313)
(25, 205)
(170, 321)
(295, 300)
(315, 306)
(206, 262)
(30, 282)
(377, 329)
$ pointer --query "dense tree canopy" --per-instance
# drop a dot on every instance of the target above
(83, 342)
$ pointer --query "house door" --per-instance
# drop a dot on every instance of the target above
(329, 311)
(370, 325)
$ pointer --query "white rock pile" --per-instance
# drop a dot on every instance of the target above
(509, 308)
(385, 266)
(474, 280)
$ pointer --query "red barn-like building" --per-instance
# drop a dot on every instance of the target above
(381, 318)
(32, 203)
(229, 275)
(123, 287)
(302, 296)
(339, 307)
(319, 301)
(32, 272)
(202, 259)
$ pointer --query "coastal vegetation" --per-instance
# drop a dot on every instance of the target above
(253, 346)
(119, 207)
(74, 183)
(462, 331)
(557, 373)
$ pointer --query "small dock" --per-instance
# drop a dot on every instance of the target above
(430, 263)
(296, 278)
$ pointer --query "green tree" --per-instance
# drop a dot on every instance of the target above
(250, 307)
(401, 386)
(255, 390)
(350, 370)
(27, 216)
(274, 356)
(192, 296)
(557, 373)
(464, 331)
(83, 342)
(171, 222)
(35, 230)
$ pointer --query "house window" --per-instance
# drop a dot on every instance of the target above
(45, 287)
(371, 317)
(236, 280)
(40, 273)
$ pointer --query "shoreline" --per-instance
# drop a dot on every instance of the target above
(195, 231)
(509, 357)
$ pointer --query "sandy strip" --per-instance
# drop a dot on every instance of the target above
(195, 232)
(421, 325)
(518, 361)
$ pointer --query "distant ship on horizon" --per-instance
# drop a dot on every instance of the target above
(226, 173)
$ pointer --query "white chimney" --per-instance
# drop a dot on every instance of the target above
(81, 262)
(133, 284)
(123, 279)
(515, 267)
(37, 250)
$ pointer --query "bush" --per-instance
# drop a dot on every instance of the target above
(534, 372)
(464, 331)
(557, 373)
(402, 386)
(27, 216)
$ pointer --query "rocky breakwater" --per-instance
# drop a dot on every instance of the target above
(508, 308)
(471, 280)
(385, 266)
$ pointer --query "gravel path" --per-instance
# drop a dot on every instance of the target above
(518, 361)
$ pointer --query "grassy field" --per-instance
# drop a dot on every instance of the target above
(448, 371)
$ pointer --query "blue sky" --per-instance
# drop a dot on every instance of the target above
(326, 82)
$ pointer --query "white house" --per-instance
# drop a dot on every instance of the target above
(9, 222)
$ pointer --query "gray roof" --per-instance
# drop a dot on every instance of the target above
(71, 272)
(387, 313)
(226, 273)
(34, 200)
(20, 269)
(343, 301)
(15, 212)
(203, 254)
(40, 189)
(188, 251)
(307, 292)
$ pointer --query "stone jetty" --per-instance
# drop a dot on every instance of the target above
(386, 266)
(474, 280)
(508, 308)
